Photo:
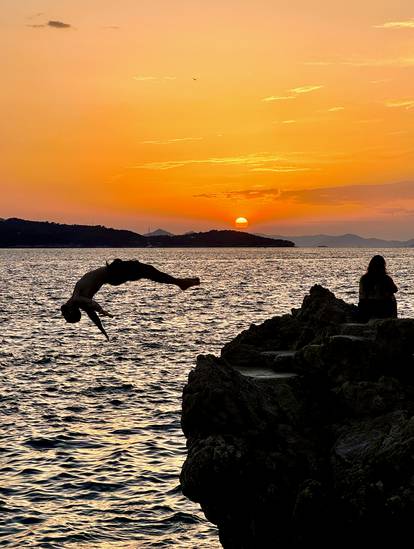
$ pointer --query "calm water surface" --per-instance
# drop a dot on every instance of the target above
(91, 442)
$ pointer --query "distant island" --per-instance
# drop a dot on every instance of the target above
(20, 233)
(343, 241)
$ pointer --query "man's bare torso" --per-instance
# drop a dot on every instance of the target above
(90, 283)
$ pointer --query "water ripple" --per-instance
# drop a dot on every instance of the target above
(92, 446)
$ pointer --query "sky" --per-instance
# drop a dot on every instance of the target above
(186, 114)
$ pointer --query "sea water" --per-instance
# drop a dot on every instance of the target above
(91, 445)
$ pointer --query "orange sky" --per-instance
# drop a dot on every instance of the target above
(186, 114)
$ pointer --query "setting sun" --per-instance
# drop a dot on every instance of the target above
(241, 222)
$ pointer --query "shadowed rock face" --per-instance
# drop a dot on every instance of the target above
(325, 456)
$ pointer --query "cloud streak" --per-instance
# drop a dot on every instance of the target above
(58, 25)
(405, 104)
(296, 92)
(281, 169)
(169, 141)
(407, 24)
(278, 97)
(359, 195)
(305, 89)
(253, 162)
(53, 25)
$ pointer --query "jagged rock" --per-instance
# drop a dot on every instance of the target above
(323, 308)
(321, 314)
(323, 457)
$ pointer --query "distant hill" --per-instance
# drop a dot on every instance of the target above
(213, 239)
(344, 241)
(159, 232)
(17, 233)
(21, 233)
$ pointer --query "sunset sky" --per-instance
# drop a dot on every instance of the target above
(185, 114)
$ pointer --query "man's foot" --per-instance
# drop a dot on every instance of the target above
(185, 283)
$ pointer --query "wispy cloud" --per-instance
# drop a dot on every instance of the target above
(336, 109)
(169, 141)
(282, 169)
(289, 121)
(401, 104)
(305, 89)
(58, 25)
(278, 97)
(407, 24)
(295, 91)
(250, 161)
(53, 25)
(143, 78)
(360, 195)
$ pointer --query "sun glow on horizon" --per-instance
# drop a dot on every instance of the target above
(241, 223)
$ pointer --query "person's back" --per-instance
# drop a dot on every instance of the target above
(376, 292)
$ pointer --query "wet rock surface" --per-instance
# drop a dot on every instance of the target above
(320, 452)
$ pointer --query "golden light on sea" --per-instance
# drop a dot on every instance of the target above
(241, 223)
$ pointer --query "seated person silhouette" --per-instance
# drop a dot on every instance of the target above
(116, 273)
(376, 292)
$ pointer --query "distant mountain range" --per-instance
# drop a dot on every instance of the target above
(324, 240)
(343, 241)
(16, 233)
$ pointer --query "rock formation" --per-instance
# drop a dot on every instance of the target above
(302, 431)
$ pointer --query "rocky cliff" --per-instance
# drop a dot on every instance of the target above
(302, 431)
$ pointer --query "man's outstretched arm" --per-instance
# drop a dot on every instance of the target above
(97, 321)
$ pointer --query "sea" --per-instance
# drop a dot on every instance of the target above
(91, 445)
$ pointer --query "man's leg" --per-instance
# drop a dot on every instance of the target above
(142, 270)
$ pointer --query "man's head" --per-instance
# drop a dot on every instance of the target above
(71, 313)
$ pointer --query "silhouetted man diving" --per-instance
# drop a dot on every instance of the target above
(115, 273)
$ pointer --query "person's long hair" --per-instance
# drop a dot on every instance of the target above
(377, 267)
(375, 272)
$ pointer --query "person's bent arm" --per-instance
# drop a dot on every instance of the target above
(88, 304)
(97, 321)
